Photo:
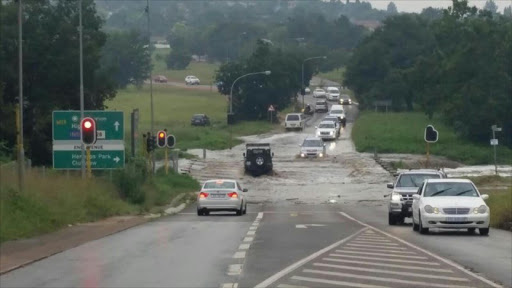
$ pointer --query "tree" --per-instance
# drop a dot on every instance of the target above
(51, 68)
(178, 59)
(507, 12)
(392, 8)
(127, 57)
(491, 6)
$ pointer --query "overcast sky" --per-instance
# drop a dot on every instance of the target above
(418, 5)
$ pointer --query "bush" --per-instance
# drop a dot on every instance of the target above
(130, 180)
(178, 60)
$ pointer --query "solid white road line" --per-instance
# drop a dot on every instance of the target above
(333, 282)
(289, 286)
(384, 279)
(229, 285)
(389, 265)
(239, 255)
(381, 254)
(248, 239)
(376, 246)
(375, 243)
(378, 250)
(300, 226)
(303, 261)
(385, 259)
(244, 246)
(419, 275)
(371, 239)
(449, 262)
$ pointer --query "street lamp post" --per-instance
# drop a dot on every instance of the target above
(233, 85)
(302, 83)
(240, 42)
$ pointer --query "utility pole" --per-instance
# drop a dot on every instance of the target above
(494, 143)
(21, 151)
(151, 87)
(81, 83)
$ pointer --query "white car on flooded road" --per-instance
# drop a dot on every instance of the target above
(294, 121)
(221, 195)
(450, 203)
(327, 130)
(318, 93)
(312, 147)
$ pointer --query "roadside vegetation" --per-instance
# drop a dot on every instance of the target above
(54, 200)
(403, 133)
(205, 71)
(499, 189)
(173, 109)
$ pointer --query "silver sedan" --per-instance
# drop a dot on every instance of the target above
(221, 195)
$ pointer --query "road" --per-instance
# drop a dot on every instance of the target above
(314, 223)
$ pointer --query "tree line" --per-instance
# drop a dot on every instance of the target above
(455, 63)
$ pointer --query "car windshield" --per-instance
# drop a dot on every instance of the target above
(331, 119)
(292, 118)
(414, 180)
(336, 111)
(313, 143)
(326, 125)
(334, 91)
(450, 189)
(198, 116)
(320, 103)
(219, 185)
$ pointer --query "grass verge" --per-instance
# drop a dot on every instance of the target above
(173, 109)
(53, 200)
(403, 133)
(336, 75)
(203, 70)
(500, 203)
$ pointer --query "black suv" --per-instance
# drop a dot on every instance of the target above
(200, 120)
(258, 158)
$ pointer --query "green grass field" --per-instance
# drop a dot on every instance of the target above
(335, 75)
(403, 133)
(500, 204)
(173, 109)
(203, 70)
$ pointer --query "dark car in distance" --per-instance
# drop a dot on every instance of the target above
(200, 120)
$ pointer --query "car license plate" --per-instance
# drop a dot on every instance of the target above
(456, 219)
(218, 195)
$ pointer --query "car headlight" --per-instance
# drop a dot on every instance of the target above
(428, 209)
(302, 155)
(480, 210)
(330, 133)
(396, 197)
(321, 155)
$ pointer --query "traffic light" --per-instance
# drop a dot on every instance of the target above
(431, 134)
(148, 143)
(88, 131)
(162, 139)
(171, 141)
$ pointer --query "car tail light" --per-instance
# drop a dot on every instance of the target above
(203, 195)
(233, 195)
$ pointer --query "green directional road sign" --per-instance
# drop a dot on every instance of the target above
(109, 124)
(106, 153)
(99, 159)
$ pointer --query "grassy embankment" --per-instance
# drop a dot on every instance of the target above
(203, 70)
(403, 133)
(500, 198)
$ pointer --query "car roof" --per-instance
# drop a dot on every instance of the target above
(449, 180)
(312, 138)
(422, 171)
(293, 114)
(319, 88)
(327, 121)
(218, 180)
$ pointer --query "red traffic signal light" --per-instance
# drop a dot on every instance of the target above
(161, 139)
(88, 131)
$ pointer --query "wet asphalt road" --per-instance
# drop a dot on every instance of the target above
(307, 226)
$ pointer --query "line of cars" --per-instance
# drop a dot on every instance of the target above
(332, 94)
(433, 200)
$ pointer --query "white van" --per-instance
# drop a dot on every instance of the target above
(337, 110)
(294, 121)
(333, 94)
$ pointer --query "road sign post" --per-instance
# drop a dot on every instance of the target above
(106, 153)
(494, 143)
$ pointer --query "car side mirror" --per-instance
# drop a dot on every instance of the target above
(390, 185)
(484, 196)
(416, 196)
(245, 190)
(272, 154)
(243, 154)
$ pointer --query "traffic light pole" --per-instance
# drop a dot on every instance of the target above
(88, 157)
(428, 154)
(166, 162)
(81, 81)
(19, 117)
(151, 88)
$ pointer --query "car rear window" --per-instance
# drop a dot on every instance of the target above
(292, 118)
(219, 185)
(320, 103)
(336, 111)
(414, 180)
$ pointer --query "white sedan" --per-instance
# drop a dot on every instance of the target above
(450, 203)
(192, 80)
(221, 195)
(319, 92)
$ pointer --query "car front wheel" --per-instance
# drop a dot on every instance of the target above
(391, 219)
(421, 228)
(415, 227)
(483, 231)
